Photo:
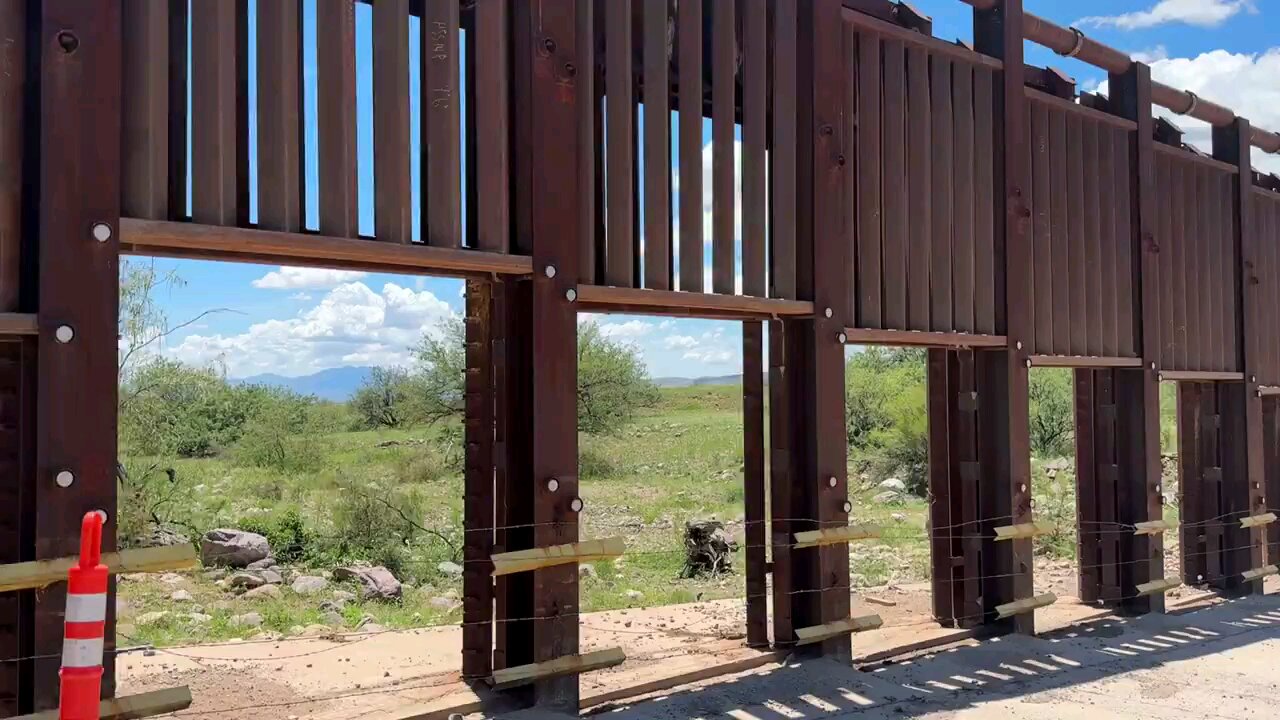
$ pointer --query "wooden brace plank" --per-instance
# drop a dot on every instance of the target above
(818, 633)
(832, 536)
(1259, 573)
(534, 558)
(656, 300)
(1258, 520)
(1023, 531)
(1154, 527)
(1159, 587)
(148, 704)
(1019, 607)
(568, 665)
(41, 573)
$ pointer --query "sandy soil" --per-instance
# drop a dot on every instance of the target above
(381, 676)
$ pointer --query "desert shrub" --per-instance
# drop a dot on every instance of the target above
(289, 536)
(379, 522)
(885, 414)
(279, 434)
(593, 464)
(171, 409)
(1051, 396)
(383, 399)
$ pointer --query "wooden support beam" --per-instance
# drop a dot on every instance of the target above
(838, 628)
(1023, 531)
(1079, 361)
(42, 573)
(1259, 573)
(131, 707)
(755, 484)
(1023, 607)
(478, 481)
(544, 557)
(1198, 376)
(833, 536)
(1159, 587)
(1258, 520)
(209, 242)
(659, 301)
(1154, 527)
(563, 666)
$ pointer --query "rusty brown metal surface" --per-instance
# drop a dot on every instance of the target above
(280, 123)
(393, 206)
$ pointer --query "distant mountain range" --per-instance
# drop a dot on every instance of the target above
(339, 384)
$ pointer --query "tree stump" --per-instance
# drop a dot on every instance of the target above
(708, 549)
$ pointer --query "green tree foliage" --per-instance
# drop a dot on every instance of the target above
(383, 398)
(1051, 396)
(171, 409)
(885, 412)
(612, 380)
(280, 433)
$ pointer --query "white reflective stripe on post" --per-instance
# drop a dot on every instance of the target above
(82, 653)
(87, 608)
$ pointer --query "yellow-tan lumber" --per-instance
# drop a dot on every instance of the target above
(561, 666)
(41, 573)
(818, 633)
(1258, 520)
(1153, 527)
(1159, 587)
(130, 707)
(1023, 531)
(832, 536)
(535, 558)
(1024, 606)
(1259, 573)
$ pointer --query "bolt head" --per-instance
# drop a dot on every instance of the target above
(64, 479)
(1022, 487)
(848, 506)
(101, 232)
(1153, 366)
(1019, 344)
(832, 481)
(64, 334)
(1160, 377)
(1253, 378)
(576, 505)
(842, 338)
(550, 271)
(103, 514)
(1028, 363)
(553, 485)
(828, 312)
(570, 294)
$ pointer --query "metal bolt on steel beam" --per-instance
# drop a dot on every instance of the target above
(550, 271)
(553, 485)
(64, 334)
(1253, 378)
(828, 312)
(832, 481)
(101, 232)
(1028, 362)
(64, 479)
(576, 505)
(1019, 345)
(1153, 366)
(570, 294)
(848, 506)
(1160, 377)
(842, 338)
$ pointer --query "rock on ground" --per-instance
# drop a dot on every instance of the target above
(266, 591)
(378, 582)
(309, 584)
(450, 569)
(245, 580)
(252, 619)
(181, 596)
(233, 548)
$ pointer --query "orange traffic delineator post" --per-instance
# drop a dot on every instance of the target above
(86, 623)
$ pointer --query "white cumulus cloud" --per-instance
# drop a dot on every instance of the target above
(351, 325)
(1200, 13)
(304, 278)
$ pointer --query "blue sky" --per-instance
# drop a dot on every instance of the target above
(294, 322)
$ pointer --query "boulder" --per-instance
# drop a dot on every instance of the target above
(309, 584)
(181, 596)
(378, 582)
(215, 574)
(708, 549)
(886, 497)
(334, 619)
(333, 606)
(443, 603)
(233, 548)
(252, 619)
(634, 595)
(245, 580)
(152, 618)
(264, 592)
(344, 595)
(271, 577)
(893, 484)
(450, 569)
(262, 564)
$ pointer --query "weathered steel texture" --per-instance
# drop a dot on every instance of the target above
(442, 99)
(13, 153)
(1265, 207)
(1198, 262)
(724, 87)
(558, 186)
(393, 201)
(17, 455)
(1243, 429)
(280, 116)
(1003, 378)
(490, 103)
(478, 490)
(620, 262)
(1201, 469)
(754, 483)
(336, 117)
(689, 44)
(145, 143)
(1271, 463)
(786, 493)
(657, 147)
(215, 132)
(784, 143)
(755, 129)
(1131, 99)
(79, 145)
(1082, 304)
(923, 125)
